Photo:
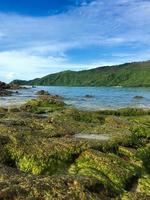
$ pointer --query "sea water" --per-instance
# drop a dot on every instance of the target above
(89, 98)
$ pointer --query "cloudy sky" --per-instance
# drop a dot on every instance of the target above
(39, 37)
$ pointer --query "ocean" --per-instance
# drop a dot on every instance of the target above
(88, 98)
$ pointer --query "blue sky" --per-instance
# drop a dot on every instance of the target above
(46, 36)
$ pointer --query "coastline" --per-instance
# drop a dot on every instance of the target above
(49, 144)
(88, 98)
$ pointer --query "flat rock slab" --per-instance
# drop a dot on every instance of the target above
(93, 136)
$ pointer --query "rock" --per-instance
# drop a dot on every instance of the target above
(41, 159)
(143, 153)
(109, 169)
(138, 97)
(42, 92)
(45, 156)
(88, 96)
(18, 185)
(143, 185)
(44, 104)
(4, 93)
(4, 86)
(15, 86)
(4, 89)
(134, 196)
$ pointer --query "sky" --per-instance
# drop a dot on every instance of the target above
(40, 37)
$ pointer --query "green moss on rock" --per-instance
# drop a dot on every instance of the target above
(20, 186)
(143, 185)
(134, 196)
(144, 154)
(45, 156)
(111, 170)
(46, 103)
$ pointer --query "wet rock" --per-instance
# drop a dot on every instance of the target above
(4, 86)
(88, 96)
(109, 169)
(55, 165)
(4, 89)
(15, 86)
(138, 97)
(42, 92)
(17, 185)
(143, 153)
(134, 196)
(4, 93)
(143, 185)
(44, 104)
(45, 156)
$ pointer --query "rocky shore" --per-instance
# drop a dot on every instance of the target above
(7, 89)
(40, 157)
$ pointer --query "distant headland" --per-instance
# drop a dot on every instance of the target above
(136, 74)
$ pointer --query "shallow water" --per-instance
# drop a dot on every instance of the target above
(102, 97)
(92, 136)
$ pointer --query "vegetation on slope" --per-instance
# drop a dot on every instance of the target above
(129, 75)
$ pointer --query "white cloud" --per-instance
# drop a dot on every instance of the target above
(9, 75)
(33, 46)
(22, 64)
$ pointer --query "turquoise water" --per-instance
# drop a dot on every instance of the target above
(102, 97)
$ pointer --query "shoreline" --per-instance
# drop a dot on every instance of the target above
(87, 99)
(98, 154)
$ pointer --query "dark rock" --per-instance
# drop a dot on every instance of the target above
(15, 86)
(42, 92)
(4, 89)
(89, 96)
(4, 86)
(5, 93)
(138, 97)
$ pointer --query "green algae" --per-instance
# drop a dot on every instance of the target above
(43, 156)
(144, 154)
(129, 152)
(96, 164)
(134, 196)
(143, 185)
(18, 185)
(35, 144)
(126, 112)
(43, 104)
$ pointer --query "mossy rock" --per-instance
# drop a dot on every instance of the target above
(134, 196)
(130, 155)
(47, 101)
(45, 156)
(45, 145)
(3, 110)
(42, 92)
(129, 152)
(4, 154)
(114, 172)
(141, 130)
(143, 153)
(143, 185)
(126, 112)
(114, 121)
(17, 185)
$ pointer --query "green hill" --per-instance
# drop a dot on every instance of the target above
(135, 74)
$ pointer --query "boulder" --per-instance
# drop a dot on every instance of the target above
(115, 173)
(138, 97)
(4, 93)
(42, 92)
